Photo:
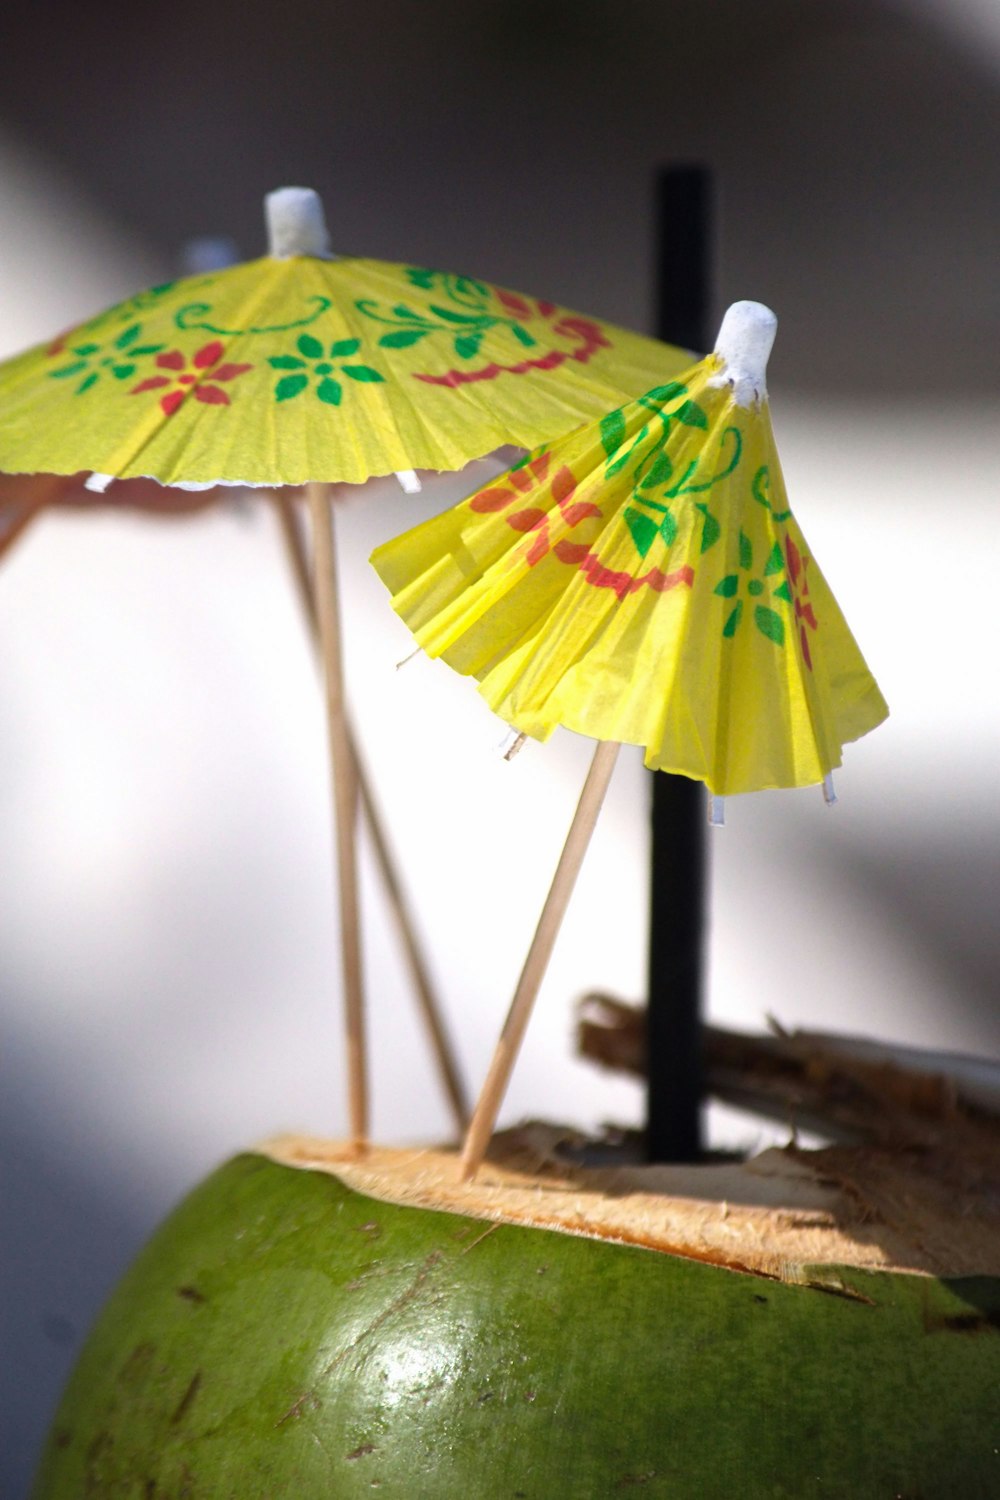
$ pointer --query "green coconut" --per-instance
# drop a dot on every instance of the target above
(306, 1326)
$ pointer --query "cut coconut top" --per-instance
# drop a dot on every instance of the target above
(797, 1216)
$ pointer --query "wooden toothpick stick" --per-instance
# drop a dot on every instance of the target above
(297, 553)
(430, 1009)
(345, 790)
(574, 849)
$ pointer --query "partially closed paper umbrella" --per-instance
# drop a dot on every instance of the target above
(643, 580)
(304, 369)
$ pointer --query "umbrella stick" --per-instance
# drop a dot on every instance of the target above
(297, 553)
(568, 868)
(430, 1009)
(344, 781)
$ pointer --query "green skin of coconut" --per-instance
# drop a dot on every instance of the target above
(283, 1337)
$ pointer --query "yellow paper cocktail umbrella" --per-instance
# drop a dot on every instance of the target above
(302, 367)
(305, 369)
(643, 580)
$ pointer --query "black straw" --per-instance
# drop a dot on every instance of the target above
(677, 904)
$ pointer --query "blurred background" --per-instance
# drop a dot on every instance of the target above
(168, 981)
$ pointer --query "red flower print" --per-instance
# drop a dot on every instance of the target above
(562, 488)
(570, 512)
(797, 573)
(200, 379)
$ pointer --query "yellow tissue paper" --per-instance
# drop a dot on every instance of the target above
(278, 372)
(643, 580)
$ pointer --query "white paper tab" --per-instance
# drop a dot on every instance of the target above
(408, 481)
(296, 224)
(717, 812)
(746, 337)
(98, 482)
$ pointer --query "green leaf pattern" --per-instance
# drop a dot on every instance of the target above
(711, 527)
(645, 529)
(464, 310)
(654, 468)
(657, 484)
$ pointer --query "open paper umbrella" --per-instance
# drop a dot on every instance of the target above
(304, 369)
(643, 580)
(351, 368)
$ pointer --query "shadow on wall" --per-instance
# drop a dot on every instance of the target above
(67, 1232)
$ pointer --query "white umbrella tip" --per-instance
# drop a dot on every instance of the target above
(296, 224)
(746, 336)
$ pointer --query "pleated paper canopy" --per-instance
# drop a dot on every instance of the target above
(302, 367)
(644, 580)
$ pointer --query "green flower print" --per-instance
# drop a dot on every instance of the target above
(767, 620)
(117, 358)
(314, 367)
